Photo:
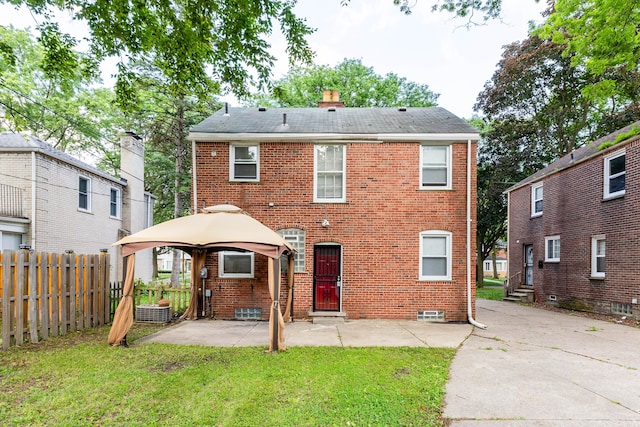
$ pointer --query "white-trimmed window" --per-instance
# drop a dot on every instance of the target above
(552, 249)
(435, 255)
(84, 193)
(536, 199)
(330, 163)
(598, 251)
(244, 162)
(614, 174)
(235, 264)
(115, 201)
(435, 167)
(296, 237)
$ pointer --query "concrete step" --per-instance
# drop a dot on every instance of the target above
(327, 317)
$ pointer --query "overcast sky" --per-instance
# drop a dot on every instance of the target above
(425, 47)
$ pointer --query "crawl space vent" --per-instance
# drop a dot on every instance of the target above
(431, 315)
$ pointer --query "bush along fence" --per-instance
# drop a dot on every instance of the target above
(45, 294)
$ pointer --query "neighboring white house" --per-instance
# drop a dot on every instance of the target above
(53, 202)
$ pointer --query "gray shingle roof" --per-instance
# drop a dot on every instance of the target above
(11, 142)
(432, 120)
(575, 157)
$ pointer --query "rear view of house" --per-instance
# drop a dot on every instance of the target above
(378, 202)
(574, 228)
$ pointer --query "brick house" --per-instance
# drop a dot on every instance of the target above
(574, 228)
(378, 202)
(53, 202)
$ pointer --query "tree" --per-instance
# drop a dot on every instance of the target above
(601, 34)
(72, 115)
(203, 45)
(359, 86)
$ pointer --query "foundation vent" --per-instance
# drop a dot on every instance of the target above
(431, 315)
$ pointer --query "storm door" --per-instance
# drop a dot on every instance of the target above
(326, 278)
(528, 265)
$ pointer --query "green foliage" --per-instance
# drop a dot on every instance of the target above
(67, 110)
(635, 130)
(161, 384)
(600, 34)
(359, 86)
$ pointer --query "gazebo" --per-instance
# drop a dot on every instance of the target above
(216, 228)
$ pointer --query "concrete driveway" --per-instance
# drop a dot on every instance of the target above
(533, 367)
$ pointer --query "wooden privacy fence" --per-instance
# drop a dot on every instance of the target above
(150, 294)
(44, 294)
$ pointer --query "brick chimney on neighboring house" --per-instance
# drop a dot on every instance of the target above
(331, 98)
(134, 206)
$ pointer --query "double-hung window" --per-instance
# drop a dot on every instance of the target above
(84, 193)
(330, 173)
(614, 174)
(435, 255)
(114, 202)
(598, 247)
(552, 249)
(536, 200)
(435, 167)
(244, 162)
(235, 264)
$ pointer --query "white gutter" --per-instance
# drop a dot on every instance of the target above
(334, 137)
(194, 182)
(469, 307)
(33, 200)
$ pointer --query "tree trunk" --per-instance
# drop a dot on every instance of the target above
(180, 150)
(479, 263)
(493, 262)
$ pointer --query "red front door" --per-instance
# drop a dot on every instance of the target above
(326, 278)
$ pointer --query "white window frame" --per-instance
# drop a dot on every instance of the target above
(297, 238)
(447, 255)
(88, 193)
(221, 272)
(424, 163)
(117, 202)
(317, 173)
(595, 255)
(487, 266)
(608, 177)
(552, 257)
(534, 199)
(233, 162)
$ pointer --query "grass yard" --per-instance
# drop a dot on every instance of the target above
(78, 380)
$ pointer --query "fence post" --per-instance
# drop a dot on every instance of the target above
(7, 294)
(33, 297)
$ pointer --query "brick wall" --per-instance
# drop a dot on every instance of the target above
(575, 210)
(378, 227)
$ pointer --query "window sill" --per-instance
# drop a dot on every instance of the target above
(599, 278)
(552, 261)
(606, 198)
(443, 280)
(435, 189)
(538, 215)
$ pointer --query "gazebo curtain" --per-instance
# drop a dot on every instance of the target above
(275, 343)
(287, 312)
(198, 257)
(123, 318)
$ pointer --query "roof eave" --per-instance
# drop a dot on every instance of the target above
(380, 137)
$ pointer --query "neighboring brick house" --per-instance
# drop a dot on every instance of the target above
(500, 264)
(53, 202)
(574, 228)
(379, 203)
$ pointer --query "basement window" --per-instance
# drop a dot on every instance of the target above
(621, 309)
(431, 315)
(248, 313)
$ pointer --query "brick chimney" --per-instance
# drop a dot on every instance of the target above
(331, 98)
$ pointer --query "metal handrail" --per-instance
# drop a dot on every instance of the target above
(511, 283)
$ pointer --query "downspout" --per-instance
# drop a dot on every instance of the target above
(194, 182)
(469, 307)
(33, 200)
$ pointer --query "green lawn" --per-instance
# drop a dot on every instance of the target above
(79, 380)
(491, 289)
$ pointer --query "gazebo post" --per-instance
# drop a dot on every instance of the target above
(276, 304)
